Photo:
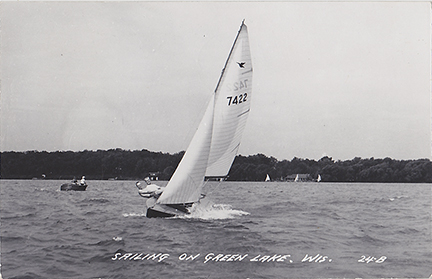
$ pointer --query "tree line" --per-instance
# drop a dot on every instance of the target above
(137, 164)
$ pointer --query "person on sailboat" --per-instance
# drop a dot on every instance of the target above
(150, 190)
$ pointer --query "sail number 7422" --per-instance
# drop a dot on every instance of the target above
(235, 100)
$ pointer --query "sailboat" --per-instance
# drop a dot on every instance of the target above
(319, 178)
(296, 178)
(267, 179)
(214, 146)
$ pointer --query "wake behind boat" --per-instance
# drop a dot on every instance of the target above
(215, 144)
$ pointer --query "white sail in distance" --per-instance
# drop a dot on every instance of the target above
(215, 143)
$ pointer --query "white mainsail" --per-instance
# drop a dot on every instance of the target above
(267, 178)
(215, 143)
(232, 105)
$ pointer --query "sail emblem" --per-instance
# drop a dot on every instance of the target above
(241, 64)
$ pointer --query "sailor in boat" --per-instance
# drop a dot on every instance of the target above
(149, 190)
(82, 181)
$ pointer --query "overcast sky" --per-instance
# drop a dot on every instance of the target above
(330, 78)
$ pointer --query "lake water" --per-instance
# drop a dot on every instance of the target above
(255, 230)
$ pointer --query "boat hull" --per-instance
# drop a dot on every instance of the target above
(151, 213)
(167, 210)
(72, 187)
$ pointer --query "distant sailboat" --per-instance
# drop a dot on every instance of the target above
(296, 178)
(217, 139)
(319, 178)
(267, 178)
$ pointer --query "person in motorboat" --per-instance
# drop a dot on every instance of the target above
(82, 181)
(150, 190)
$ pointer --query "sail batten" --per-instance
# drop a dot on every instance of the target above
(243, 113)
(217, 139)
(247, 72)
